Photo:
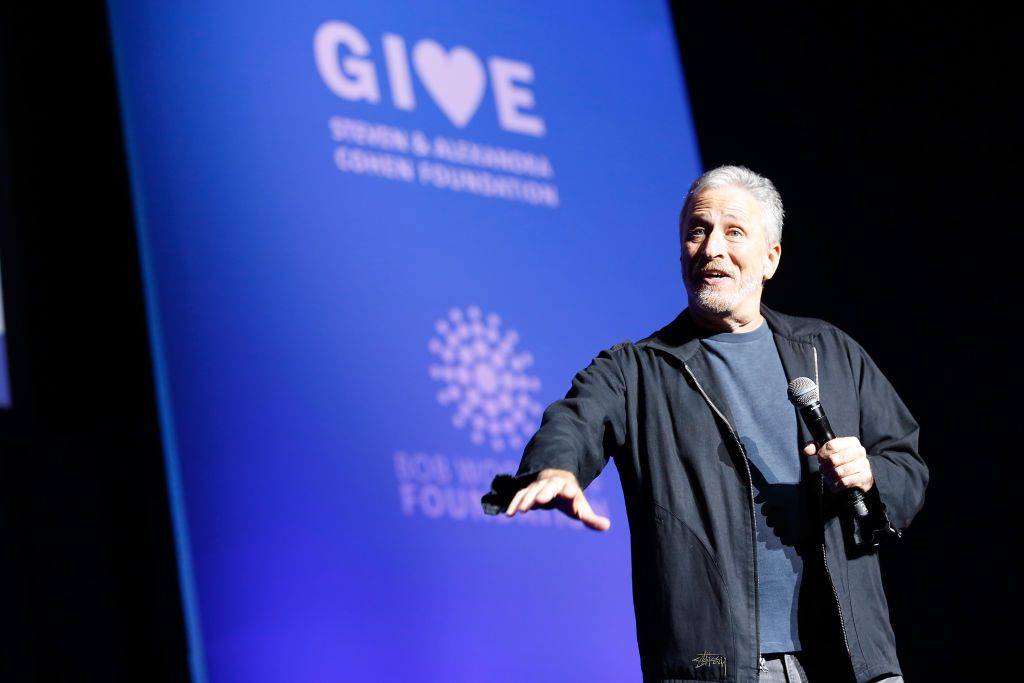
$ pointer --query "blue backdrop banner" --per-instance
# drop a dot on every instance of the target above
(378, 238)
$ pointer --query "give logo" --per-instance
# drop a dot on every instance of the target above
(454, 79)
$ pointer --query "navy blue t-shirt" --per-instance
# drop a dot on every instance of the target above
(748, 369)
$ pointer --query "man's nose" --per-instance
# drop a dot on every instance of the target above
(715, 244)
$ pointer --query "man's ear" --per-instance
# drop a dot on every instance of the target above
(772, 259)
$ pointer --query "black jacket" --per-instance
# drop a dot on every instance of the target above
(655, 407)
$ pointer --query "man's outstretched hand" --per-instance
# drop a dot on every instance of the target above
(560, 488)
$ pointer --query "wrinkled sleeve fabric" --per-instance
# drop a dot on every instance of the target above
(577, 433)
(889, 434)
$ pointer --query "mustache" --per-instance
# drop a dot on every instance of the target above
(713, 266)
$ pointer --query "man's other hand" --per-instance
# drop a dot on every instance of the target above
(561, 487)
(843, 463)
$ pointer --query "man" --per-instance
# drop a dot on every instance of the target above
(744, 562)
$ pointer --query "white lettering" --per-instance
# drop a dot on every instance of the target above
(407, 497)
(376, 135)
(420, 144)
(480, 472)
(398, 72)
(431, 502)
(455, 78)
(498, 158)
(486, 184)
(510, 99)
(355, 160)
(422, 468)
(351, 78)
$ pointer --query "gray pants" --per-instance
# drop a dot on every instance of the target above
(786, 668)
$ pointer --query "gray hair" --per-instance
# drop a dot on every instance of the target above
(759, 186)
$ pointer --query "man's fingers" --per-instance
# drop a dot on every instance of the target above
(857, 474)
(550, 490)
(543, 491)
(571, 489)
(517, 500)
(848, 455)
(531, 493)
(586, 514)
(840, 444)
(859, 481)
(851, 469)
(810, 449)
(511, 509)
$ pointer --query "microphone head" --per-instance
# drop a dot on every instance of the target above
(803, 392)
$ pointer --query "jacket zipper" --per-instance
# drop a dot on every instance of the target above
(824, 551)
(753, 521)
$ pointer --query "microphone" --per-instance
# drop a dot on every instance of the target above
(803, 393)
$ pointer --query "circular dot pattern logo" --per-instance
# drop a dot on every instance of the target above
(484, 378)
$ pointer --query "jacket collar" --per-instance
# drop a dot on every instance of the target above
(794, 339)
(682, 336)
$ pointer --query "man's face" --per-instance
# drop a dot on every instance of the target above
(725, 255)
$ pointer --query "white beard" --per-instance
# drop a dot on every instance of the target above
(714, 300)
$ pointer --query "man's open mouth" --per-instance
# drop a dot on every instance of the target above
(714, 274)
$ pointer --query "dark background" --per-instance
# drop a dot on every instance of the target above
(891, 133)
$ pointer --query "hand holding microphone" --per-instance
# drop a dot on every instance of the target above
(844, 464)
(844, 461)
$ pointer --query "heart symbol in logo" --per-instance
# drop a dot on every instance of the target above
(455, 79)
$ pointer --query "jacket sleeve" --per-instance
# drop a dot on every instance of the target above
(889, 434)
(577, 433)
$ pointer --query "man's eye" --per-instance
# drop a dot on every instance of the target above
(696, 233)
